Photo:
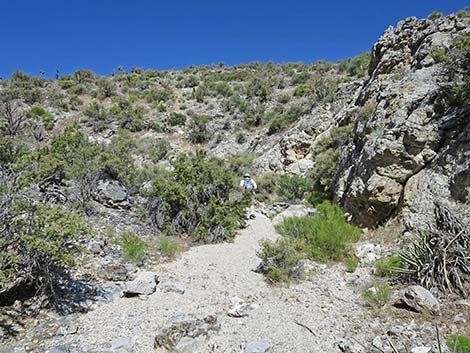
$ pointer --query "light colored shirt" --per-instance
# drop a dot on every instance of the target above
(243, 181)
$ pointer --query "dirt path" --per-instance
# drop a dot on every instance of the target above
(213, 274)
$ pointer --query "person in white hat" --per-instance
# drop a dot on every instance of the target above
(248, 184)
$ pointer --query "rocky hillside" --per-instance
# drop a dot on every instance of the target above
(100, 176)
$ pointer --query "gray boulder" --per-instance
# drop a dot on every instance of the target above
(112, 191)
(172, 286)
(144, 284)
(181, 325)
(419, 299)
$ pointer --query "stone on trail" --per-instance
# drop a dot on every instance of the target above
(181, 325)
(144, 284)
(261, 346)
(240, 308)
(419, 299)
(172, 286)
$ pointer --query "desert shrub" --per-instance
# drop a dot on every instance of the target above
(66, 84)
(160, 150)
(69, 156)
(376, 294)
(457, 63)
(322, 176)
(300, 78)
(435, 15)
(292, 187)
(326, 237)
(283, 98)
(133, 247)
(177, 119)
(97, 116)
(259, 88)
(439, 258)
(223, 89)
(84, 76)
(463, 13)
(167, 246)
(200, 93)
(322, 238)
(458, 344)
(281, 258)
(356, 66)
(300, 91)
(196, 199)
(36, 246)
(42, 115)
(388, 266)
(239, 163)
(322, 88)
(241, 138)
(116, 161)
(129, 117)
(157, 95)
(106, 88)
(267, 186)
(198, 132)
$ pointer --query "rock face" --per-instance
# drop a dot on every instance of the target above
(406, 152)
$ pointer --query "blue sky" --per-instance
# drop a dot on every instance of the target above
(102, 34)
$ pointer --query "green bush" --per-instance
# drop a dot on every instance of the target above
(167, 246)
(458, 344)
(198, 132)
(388, 266)
(435, 15)
(300, 78)
(196, 198)
(40, 114)
(463, 13)
(351, 263)
(376, 294)
(97, 116)
(177, 119)
(292, 187)
(282, 258)
(39, 242)
(157, 95)
(321, 238)
(356, 66)
(326, 237)
(133, 248)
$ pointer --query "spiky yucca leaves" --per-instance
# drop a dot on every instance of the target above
(440, 258)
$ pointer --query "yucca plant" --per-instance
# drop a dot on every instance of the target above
(405, 349)
(440, 258)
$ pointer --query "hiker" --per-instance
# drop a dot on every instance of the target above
(248, 184)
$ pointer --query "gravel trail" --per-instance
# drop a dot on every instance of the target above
(308, 317)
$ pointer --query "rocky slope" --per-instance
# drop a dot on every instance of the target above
(392, 142)
(408, 153)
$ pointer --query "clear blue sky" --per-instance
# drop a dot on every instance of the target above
(102, 34)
